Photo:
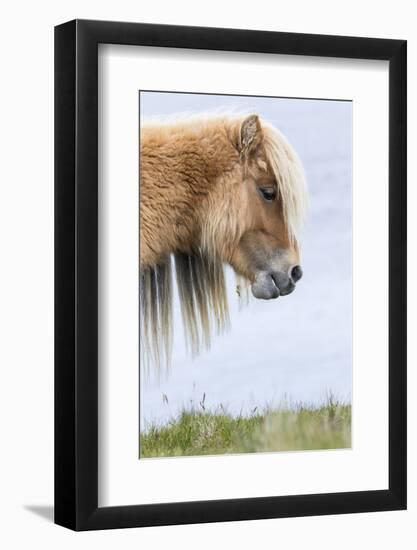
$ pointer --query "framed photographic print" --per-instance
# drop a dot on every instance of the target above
(230, 252)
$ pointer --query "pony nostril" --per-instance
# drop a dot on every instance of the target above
(296, 273)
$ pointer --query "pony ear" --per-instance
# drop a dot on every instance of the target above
(250, 134)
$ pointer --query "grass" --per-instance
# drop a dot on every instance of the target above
(286, 428)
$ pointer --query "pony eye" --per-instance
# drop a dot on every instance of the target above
(268, 193)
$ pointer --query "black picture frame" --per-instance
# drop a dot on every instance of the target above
(76, 272)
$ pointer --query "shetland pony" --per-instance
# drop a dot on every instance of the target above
(213, 191)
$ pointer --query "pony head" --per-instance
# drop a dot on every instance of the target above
(254, 212)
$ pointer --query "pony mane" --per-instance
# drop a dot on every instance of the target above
(290, 178)
(200, 276)
(281, 156)
(203, 300)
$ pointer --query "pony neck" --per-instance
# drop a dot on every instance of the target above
(181, 166)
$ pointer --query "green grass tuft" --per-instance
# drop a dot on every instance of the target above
(282, 429)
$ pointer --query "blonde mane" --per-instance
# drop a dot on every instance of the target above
(203, 301)
(290, 178)
(199, 275)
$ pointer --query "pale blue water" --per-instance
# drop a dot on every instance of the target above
(299, 346)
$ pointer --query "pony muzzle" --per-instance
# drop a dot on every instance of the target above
(269, 285)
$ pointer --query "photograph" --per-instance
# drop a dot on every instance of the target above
(208, 233)
(245, 275)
